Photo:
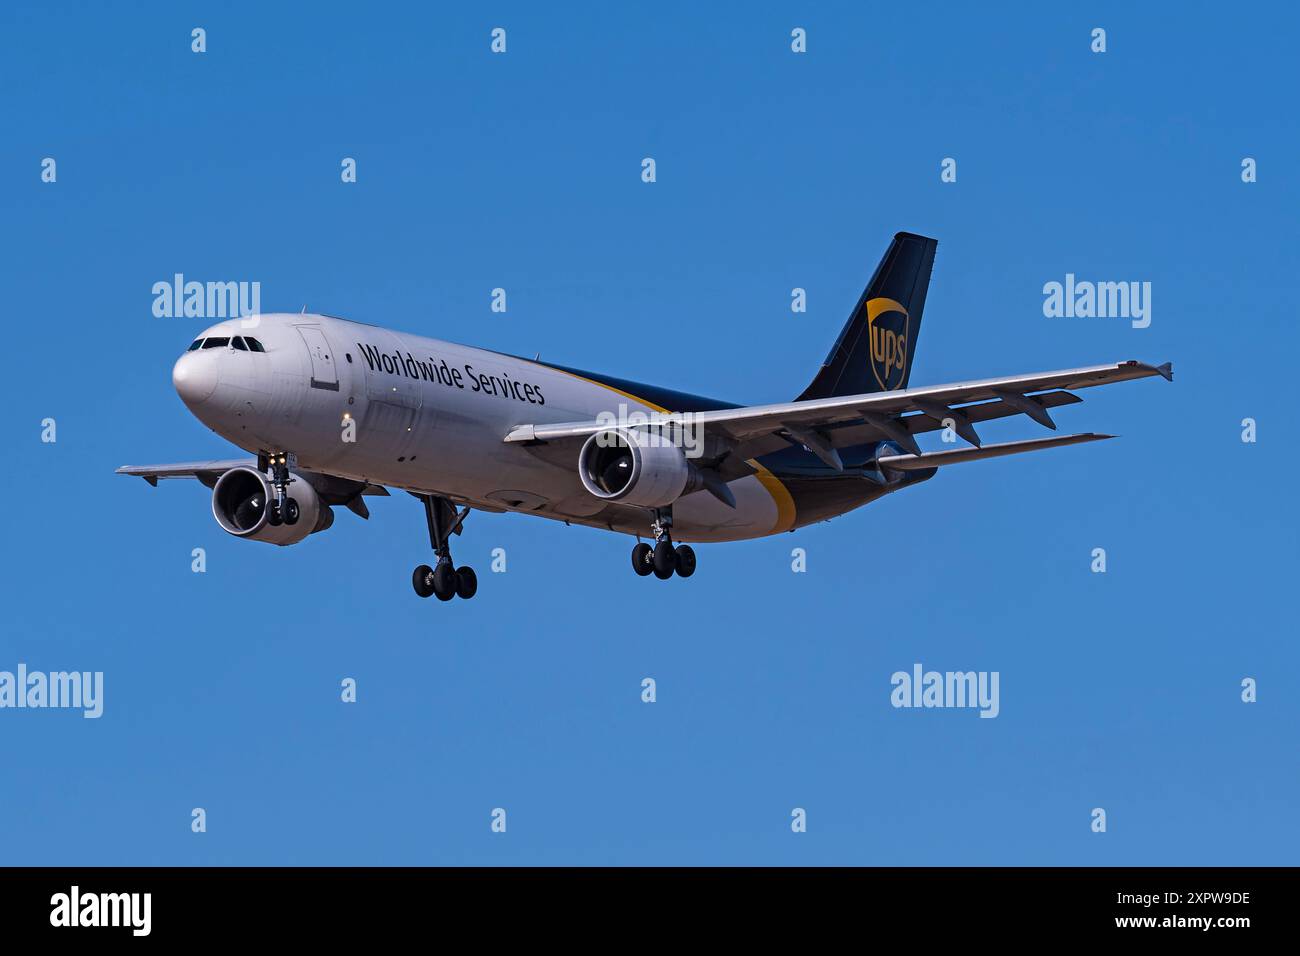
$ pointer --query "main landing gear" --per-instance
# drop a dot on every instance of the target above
(663, 560)
(281, 509)
(445, 581)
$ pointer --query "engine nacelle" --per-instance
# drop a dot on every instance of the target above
(240, 500)
(636, 466)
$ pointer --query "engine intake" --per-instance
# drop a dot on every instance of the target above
(636, 466)
(240, 503)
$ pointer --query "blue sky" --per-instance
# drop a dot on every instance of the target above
(775, 170)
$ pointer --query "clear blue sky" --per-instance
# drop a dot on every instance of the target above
(774, 171)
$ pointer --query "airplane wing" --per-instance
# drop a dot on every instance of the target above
(331, 489)
(823, 425)
(205, 471)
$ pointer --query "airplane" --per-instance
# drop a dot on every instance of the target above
(336, 411)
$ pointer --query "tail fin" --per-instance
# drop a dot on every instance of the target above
(875, 349)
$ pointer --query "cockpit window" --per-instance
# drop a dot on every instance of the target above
(254, 345)
(238, 343)
(216, 343)
(194, 345)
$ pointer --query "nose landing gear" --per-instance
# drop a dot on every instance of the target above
(663, 560)
(444, 581)
(281, 509)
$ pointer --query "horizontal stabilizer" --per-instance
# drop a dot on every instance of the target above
(940, 458)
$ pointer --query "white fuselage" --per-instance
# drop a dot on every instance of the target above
(367, 403)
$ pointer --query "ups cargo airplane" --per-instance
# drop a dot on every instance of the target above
(337, 410)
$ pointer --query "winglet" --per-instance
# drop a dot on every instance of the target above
(1165, 371)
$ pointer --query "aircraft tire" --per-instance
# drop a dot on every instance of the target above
(685, 560)
(641, 559)
(466, 583)
(665, 560)
(444, 582)
(420, 581)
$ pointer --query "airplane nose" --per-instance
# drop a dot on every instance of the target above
(195, 377)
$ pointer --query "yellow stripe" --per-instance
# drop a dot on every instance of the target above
(592, 381)
(785, 511)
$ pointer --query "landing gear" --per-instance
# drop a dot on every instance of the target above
(281, 509)
(444, 581)
(663, 560)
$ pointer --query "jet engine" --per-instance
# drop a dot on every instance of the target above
(240, 501)
(637, 466)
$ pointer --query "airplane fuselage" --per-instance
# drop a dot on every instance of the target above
(367, 403)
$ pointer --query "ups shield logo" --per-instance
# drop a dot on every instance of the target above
(887, 327)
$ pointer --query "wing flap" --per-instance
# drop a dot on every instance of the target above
(881, 428)
(861, 434)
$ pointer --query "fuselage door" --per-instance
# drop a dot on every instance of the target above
(323, 372)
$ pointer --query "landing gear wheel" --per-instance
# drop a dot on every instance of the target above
(665, 560)
(444, 582)
(273, 517)
(685, 560)
(422, 580)
(291, 511)
(466, 583)
(641, 559)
